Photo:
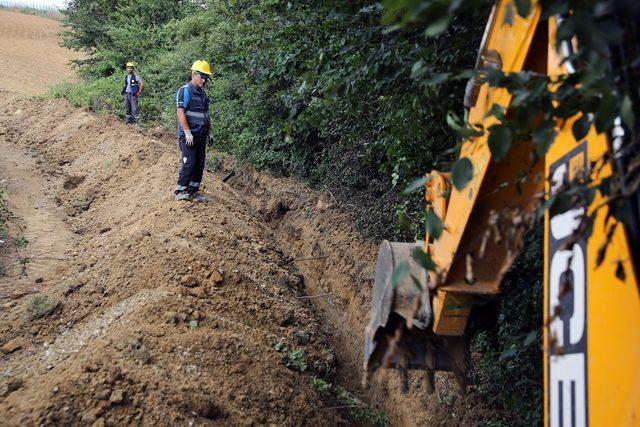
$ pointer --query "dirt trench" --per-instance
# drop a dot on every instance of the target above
(165, 312)
(338, 266)
(158, 312)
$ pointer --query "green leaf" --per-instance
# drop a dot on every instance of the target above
(419, 68)
(500, 138)
(415, 184)
(281, 347)
(389, 16)
(433, 224)
(436, 79)
(302, 337)
(508, 353)
(626, 112)
(439, 26)
(560, 203)
(424, 259)
(416, 282)
(497, 111)
(459, 127)
(566, 30)
(543, 136)
(531, 338)
(523, 7)
(454, 121)
(606, 112)
(495, 78)
(581, 127)
(295, 360)
(399, 273)
(461, 173)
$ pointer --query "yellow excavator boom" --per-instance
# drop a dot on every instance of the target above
(591, 309)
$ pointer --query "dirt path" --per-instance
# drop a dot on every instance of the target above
(43, 236)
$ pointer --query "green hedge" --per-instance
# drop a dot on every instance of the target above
(321, 90)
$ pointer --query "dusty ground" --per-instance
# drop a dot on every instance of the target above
(165, 312)
(30, 57)
(123, 306)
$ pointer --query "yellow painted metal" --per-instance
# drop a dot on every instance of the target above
(511, 42)
(468, 211)
(592, 314)
(592, 341)
(450, 313)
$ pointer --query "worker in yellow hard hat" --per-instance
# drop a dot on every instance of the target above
(131, 90)
(194, 125)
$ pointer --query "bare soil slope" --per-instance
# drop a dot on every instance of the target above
(165, 312)
(30, 57)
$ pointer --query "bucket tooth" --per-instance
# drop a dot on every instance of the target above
(390, 342)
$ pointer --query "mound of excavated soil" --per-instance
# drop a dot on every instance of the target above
(167, 312)
(30, 56)
(137, 309)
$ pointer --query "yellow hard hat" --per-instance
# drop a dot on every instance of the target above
(130, 64)
(201, 67)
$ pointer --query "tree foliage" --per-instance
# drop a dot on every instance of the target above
(322, 90)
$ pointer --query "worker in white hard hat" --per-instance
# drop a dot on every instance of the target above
(194, 125)
(131, 90)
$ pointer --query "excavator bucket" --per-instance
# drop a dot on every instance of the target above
(399, 333)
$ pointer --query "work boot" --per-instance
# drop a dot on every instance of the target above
(183, 195)
(201, 198)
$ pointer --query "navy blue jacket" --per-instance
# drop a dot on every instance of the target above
(135, 83)
(196, 105)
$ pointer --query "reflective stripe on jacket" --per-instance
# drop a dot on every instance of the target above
(196, 105)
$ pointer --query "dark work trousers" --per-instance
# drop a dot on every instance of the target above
(192, 168)
(131, 108)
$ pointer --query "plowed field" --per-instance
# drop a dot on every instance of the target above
(30, 57)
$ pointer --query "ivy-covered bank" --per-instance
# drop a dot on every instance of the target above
(333, 94)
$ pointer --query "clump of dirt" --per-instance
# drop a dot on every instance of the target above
(72, 182)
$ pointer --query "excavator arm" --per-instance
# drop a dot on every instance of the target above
(465, 214)
(418, 320)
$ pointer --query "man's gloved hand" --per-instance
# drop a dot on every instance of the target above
(188, 136)
(209, 141)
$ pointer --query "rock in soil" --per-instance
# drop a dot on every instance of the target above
(189, 281)
(117, 396)
(13, 345)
